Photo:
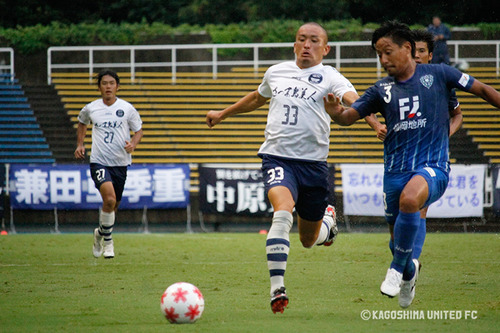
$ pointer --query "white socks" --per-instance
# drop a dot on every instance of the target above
(277, 247)
(324, 232)
(106, 223)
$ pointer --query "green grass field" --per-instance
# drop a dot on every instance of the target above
(51, 283)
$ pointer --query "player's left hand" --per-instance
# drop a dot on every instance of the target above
(332, 105)
(129, 147)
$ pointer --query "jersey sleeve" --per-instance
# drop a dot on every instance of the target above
(264, 88)
(340, 84)
(368, 103)
(84, 115)
(135, 122)
(457, 79)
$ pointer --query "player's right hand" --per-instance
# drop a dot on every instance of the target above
(381, 132)
(213, 118)
(80, 153)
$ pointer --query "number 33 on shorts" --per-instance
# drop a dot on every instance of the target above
(275, 175)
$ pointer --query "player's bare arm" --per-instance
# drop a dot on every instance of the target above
(377, 126)
(339, 114)
(456, 120)
(250, 102)
(132, 144)
(80, 137)
(486, 92)
(349, 98)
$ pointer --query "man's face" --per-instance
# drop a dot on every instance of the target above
(422, 55)
(310, 45)
(394, 58)
(108, 87)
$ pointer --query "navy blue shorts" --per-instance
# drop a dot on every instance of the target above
(394, 183)
(307, 181)
(116, 175)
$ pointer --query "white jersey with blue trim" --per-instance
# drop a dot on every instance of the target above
(298, 126)
(111, 128)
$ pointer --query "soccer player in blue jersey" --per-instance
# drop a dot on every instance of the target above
(413, 99)
(295, 149)
(424, 46)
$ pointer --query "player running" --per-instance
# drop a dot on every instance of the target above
(414, 102)
(295, 149)
(424, 46)
(112, 119)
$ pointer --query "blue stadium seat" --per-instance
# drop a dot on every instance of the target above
(21, 139)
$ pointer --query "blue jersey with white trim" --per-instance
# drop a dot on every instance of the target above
(416, 113)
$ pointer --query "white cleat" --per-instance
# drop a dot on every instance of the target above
(97, 248)
(331, 219)
(392, 283)
(407, 293)
(109, 251)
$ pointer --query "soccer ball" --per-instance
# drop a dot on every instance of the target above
(462, 65)
(182, 303)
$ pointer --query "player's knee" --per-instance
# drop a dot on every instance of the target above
(109, 203)
(409, 204)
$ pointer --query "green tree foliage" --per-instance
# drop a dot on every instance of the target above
(201, 12)
(31, 39)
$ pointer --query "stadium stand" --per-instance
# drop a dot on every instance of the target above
(53, 120)
(21, 139)
(175, 129)
(481, 120)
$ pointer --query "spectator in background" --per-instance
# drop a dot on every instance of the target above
(441, 35)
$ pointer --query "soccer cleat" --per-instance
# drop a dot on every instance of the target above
(109, 251)
(407, 293)
(392, 283)
(279, 300)
(331, 218)
(97, 248)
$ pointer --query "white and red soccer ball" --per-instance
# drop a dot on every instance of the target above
(182, 303)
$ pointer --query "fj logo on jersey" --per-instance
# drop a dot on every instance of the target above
(120, 113)
(315, 78)
(427, 81)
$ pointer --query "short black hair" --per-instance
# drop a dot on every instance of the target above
(107, 72)
(422, 35)
(398, 32)
(319, 26)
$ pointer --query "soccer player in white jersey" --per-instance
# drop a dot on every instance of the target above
(295, 149)
(112, 119)
(414, 100)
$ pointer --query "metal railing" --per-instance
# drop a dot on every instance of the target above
(456, 44)
(254, 60)
(4, 67)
